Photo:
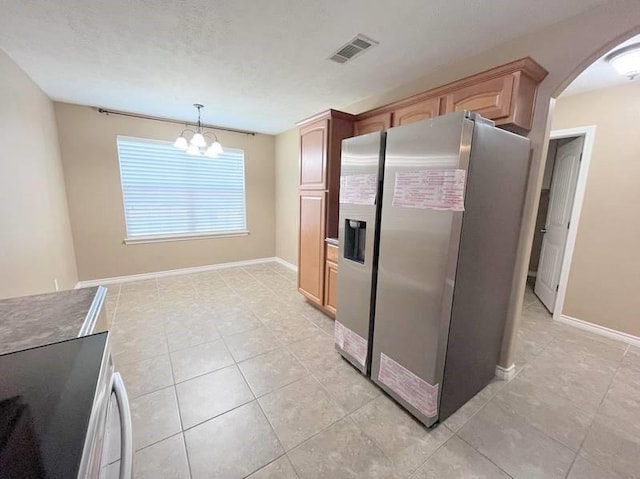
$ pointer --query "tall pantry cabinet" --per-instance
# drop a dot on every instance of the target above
(319, 189)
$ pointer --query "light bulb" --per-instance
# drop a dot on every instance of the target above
(181, 143)
(193, 150)
(198, 140)
(211, 152)
(627, 63)
(216, 147)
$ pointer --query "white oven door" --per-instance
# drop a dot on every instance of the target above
(117, 456)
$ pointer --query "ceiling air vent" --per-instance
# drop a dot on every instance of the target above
(352, 49)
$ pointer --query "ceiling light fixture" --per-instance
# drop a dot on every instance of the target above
(626, 60)
(197, 145)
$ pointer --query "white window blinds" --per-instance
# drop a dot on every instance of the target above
(168, 193)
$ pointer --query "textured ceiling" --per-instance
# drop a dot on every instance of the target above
(599, 75)
(255, 64)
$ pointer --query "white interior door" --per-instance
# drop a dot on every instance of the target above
(563, 188)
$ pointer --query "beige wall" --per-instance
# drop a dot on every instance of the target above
(564, 49)
(35, 237)
(90, 159)
(287, 204)
(605, 280)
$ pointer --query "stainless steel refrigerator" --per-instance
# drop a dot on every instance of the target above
(430, 217)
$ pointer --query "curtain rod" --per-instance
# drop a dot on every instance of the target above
(104, 111)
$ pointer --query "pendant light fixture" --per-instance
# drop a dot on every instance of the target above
(197, 145)
(626, 60)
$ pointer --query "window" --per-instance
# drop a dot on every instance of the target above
(169, 194)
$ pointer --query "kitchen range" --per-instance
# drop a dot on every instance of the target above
(64, 411)
(428, 229)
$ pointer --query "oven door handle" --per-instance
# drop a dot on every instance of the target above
(126, 427)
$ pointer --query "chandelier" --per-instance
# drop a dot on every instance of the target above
(198, 145)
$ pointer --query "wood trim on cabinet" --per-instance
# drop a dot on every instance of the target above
(339, 129)
(325, 115)
(522, 107)
(491, 99)
(373, 123)
(527, 66)
(422, 110)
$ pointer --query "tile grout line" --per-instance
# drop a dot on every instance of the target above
(257, 399)
(220, 414)
(175, 392)
(112, 325)
(285, 347)
(264, 415)
(524, 419)
(577, 451)
(265, 465)
(154, 443)
(483, 455)
(346, 416)
(175, 386)
(556, 340)
(259, 406)
(593, 420)
(479, 409)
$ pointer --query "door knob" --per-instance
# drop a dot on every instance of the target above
(543, 230)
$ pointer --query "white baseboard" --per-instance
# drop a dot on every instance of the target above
(286, 264)
(506, 374)
(175, 272)
(597, 329)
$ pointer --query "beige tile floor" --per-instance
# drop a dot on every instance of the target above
(232, 375)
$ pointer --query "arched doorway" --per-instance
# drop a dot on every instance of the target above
(548, 92)
(587, 378)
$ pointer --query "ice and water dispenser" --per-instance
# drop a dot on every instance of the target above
(355, 235)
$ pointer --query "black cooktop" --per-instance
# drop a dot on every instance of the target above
(46, 396)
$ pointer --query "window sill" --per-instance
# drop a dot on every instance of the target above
(171, 238)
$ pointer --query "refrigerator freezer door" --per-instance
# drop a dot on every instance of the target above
(424, 180)
(359, 188)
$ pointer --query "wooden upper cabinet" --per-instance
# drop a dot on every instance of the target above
(320, 150)
(311, 253)
(491, 99)
(314, 141)
(505, 94)
(373, 123)
(418, 111)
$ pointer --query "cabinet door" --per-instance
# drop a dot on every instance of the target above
(379, 122)
(332, 253)
(311, 245)
(330, 287)
(491, 98)
(313, 155)
(416, 112)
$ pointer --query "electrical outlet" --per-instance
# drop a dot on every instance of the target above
(55, 284)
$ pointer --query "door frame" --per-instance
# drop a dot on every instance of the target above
(588, 132)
